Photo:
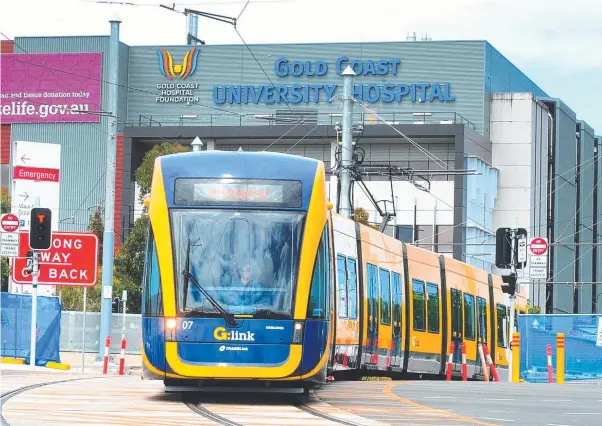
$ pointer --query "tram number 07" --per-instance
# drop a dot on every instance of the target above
(186, 325)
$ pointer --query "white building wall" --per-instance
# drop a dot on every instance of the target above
(413, 206)
(519, 138)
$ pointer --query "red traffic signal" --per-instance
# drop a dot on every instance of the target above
(40, 234)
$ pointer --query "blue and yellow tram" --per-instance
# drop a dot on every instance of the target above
(250, 278)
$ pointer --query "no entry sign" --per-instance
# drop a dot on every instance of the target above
(71, 261)
(538, 246)
(9, 223)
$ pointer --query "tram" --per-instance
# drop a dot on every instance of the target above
(251, 279)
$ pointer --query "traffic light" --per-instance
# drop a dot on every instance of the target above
(510, 280)
(40, 233)
(116, 303)
(503, 248)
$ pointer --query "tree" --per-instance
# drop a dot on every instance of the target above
(533, 309)
(144, 172)
(4, 265)
(361, 216)
(129, 265)
(72, 298)
(97, 226)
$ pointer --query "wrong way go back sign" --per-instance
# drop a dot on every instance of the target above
(71, 261)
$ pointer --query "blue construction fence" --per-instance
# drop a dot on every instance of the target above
(583, 346)
(15, 334)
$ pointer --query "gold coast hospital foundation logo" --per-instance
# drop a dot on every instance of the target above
(180, 93)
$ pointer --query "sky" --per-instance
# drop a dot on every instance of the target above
(555, 42)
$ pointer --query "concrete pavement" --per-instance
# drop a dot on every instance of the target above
(512, 403)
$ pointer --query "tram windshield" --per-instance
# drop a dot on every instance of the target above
(245, 260)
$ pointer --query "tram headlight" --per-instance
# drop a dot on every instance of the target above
(298, 332)
(170, 329)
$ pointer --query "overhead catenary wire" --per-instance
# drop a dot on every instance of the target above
(433, 157)
(577, 210)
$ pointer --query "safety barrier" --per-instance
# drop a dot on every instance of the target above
(490, 363)
(16, 325)
(487, 365)
(464, 369)
(550, 369)
(575, 347)
(122, 356)
(450, 361)
(483, 362)
(105, 361)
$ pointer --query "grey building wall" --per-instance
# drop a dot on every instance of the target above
(541, 134)
(584, 232)
(124, 63)
(596, 289)
(83, 145)
(458, 62)
(559, 297)
(502, 76)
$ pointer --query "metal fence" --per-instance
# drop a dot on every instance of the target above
(71, 332)
(15, 320)
(306, 117)
(583, 346)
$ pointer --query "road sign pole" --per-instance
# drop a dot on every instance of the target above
(124, 298)
(513, 261)
(84, 328)
(109, 232)
(34, 310)
(34, 300)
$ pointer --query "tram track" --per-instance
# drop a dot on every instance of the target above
(214, 409)
(208, 414)
(310, 410)
(5, 396)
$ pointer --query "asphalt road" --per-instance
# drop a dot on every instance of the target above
(512, 403)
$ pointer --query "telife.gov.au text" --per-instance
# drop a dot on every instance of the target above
(24, 108)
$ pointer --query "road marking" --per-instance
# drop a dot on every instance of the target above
(499, 399)
(557, 400)
(388, 391)
(438, 397)
(554, 424)
(497, 420)
(582, 414)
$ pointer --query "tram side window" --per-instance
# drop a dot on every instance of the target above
(469, 316)
(318, 305)
(372, 291)
(482, 314)
(341, 287)
(352, 288)
(153, 301)
(419, 305)
(456, 317)
(433, 307)
(501, 324)
(385, 297)
(396, 290)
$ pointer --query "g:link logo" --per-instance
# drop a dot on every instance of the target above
(220, 333)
